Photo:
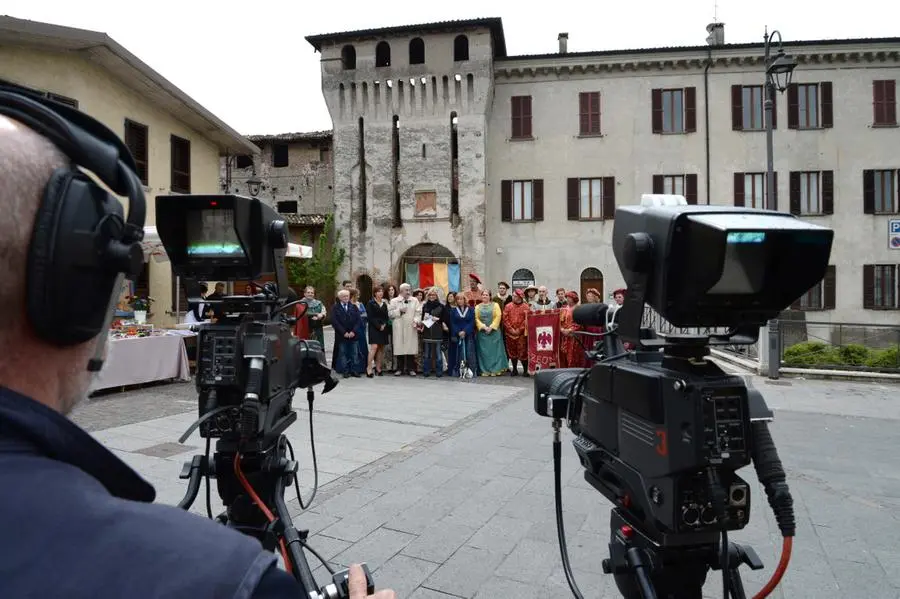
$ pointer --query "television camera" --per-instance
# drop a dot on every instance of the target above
(248, 368)
(661, 431)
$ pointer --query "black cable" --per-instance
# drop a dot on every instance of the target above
(325, 563)
(560, 529)
(312, 443)
(208, 500)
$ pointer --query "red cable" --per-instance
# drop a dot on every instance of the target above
(262, 506)
(786, 546)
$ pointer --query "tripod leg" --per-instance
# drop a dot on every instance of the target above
(292, 539)
(736, 584)
(193, 471)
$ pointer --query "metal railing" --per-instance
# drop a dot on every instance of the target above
(652, 319)
(840, 346)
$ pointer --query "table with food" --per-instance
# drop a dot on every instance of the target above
(140, 353)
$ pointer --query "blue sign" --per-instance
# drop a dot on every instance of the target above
(894, 234)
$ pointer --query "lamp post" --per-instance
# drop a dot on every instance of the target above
(253, 185)
(779, 70)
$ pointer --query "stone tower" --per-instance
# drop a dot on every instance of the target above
(410, 110)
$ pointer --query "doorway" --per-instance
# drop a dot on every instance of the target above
(592, 278)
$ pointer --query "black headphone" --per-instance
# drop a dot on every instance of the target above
(82, 246)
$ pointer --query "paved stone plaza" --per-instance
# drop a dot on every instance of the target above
(445, 488)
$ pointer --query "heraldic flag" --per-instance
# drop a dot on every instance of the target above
(543, 340)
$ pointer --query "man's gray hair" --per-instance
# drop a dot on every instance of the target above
(404, 286)
(26, 162)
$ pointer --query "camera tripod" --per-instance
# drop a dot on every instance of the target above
(645, 570)
(250, 485)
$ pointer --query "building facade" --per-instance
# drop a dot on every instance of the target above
(292, 173)
(547, 146)
(176, 142)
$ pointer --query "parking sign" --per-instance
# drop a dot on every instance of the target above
(894, 234)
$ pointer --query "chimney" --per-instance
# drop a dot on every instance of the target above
(716, 33)
(563, 43)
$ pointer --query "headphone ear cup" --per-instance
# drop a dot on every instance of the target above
(69, 284)
(40, 300)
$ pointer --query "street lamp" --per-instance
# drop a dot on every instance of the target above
(253, 185)
(778, 76)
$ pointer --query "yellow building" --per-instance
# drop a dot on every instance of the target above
(175, 141)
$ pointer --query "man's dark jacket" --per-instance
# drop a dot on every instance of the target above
(76, 522)
(345, 320)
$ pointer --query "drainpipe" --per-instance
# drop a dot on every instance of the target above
(706, 110)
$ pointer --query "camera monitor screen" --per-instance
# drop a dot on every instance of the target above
(744, 269)
(211, 234)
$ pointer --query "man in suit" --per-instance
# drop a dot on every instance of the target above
(345, 319)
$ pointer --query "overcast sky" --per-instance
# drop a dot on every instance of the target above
(248, 63)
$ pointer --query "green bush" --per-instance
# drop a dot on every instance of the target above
(854, 354)
(812, 353)
(884, 358)
(816, 353)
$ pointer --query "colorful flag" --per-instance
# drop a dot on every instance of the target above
(543, 340)
(440, 276)
(453, 277)
(426, 275)
(412, 275)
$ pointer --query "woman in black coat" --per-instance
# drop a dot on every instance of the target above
(377, 309)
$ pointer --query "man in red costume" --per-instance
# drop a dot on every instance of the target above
(515, 329)
(473, 295)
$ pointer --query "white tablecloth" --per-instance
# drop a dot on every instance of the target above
(143, 360)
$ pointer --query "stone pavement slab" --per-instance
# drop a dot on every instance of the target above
(466, 509)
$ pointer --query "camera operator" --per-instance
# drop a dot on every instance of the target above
(75, 521)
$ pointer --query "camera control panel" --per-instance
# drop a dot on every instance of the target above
(724, 421)
(217, 358)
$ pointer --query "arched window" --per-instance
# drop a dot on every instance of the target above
(348, 58)
(416, 51)
(460, 48)
(591, 278)
(522, 279)
(383, 54)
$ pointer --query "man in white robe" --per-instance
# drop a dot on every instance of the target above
(405, 313)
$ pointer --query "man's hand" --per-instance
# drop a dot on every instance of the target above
(357, 586)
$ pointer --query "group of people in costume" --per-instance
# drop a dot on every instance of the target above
(475, 332)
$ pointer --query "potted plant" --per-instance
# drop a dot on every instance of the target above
(141, 305)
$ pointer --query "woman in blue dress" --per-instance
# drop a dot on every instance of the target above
(462, 337)
(362, 345)
(492, 360)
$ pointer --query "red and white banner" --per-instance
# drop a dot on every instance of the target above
(543, 340)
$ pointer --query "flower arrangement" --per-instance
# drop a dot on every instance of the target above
(140, 302)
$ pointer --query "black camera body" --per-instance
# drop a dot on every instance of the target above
(661, 430)
(248, 362)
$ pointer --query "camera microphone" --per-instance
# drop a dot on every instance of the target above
(590, 315)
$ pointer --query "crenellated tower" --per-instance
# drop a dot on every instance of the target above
(410, 107)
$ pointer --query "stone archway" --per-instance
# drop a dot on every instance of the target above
(522, 279)
(429, 264)
(591, 277)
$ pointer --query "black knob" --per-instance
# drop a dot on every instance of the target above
(127, 258)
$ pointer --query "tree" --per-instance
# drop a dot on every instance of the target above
(322, 269)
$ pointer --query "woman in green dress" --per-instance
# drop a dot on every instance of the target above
(492, 360)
